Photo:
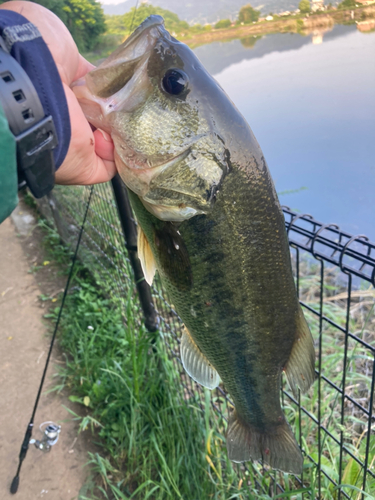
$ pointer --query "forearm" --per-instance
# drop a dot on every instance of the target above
(86, 157)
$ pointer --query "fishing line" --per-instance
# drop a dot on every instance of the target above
(48, 440)
(135, 11)
(29, 430)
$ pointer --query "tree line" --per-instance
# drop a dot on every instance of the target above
(120, 25)
(84, 19)
(246, 15)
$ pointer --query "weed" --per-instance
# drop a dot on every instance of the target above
(34, 268)
(53, 244)
(29, 199)
(162, 435)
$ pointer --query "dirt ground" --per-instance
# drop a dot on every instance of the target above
(60, 474)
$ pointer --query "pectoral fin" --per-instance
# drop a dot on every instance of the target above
(146, 256)
(299, 369)
(196, 364)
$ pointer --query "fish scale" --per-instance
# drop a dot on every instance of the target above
(210, 223)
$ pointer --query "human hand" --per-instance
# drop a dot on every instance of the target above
(90, 157)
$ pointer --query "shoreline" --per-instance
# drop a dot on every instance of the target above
(301, 25)
(293, 24)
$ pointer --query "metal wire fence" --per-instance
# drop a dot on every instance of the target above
(335, 277)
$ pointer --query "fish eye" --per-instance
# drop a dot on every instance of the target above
(175, 81)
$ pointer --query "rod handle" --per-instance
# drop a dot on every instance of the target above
(14, 485)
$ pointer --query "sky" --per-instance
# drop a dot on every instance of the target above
(111, 2)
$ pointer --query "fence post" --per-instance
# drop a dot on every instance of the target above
(130, 234)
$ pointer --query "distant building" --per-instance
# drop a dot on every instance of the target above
(365, 2)
(317, 5)
(269, 18)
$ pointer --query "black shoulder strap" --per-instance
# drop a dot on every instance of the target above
(34, 133)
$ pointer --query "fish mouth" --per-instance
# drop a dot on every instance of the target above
(109, 80)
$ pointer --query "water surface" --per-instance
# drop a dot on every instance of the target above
(312, 109)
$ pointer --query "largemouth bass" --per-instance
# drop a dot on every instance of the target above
(211, 224)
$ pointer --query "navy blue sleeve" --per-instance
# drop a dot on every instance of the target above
(27, 46)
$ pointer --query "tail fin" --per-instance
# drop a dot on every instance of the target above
(277, 448)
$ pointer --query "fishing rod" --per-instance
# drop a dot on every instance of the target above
(50, 431)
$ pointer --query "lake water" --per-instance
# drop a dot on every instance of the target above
(312, 109)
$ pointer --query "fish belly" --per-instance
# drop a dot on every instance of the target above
(228, 274)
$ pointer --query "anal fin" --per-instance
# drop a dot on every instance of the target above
(300, 368)
(146, 256)
(196, 364)
(276, 447)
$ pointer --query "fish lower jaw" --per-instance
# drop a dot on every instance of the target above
(138, 181)
(143, 182)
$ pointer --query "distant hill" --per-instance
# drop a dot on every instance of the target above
(206, 11)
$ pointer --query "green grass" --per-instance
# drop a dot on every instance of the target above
(158, 440)
(161, 438)
(359, 366)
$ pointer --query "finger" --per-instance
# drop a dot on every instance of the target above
(105, 171)
(104, 145)
(99, 171)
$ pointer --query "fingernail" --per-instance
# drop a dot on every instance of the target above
(106, 136)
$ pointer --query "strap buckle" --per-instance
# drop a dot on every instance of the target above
(35, 157)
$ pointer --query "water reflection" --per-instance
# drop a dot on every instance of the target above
(312, 109)
(219, 55)
(250, 41)
(317, 35)
(366, 26)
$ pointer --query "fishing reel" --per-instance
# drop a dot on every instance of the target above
(51, 433)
